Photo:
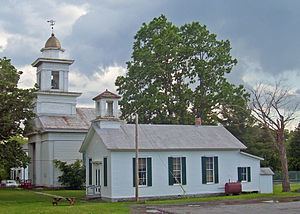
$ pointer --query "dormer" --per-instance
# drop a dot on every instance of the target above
(106, 105)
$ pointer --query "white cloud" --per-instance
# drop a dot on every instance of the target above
(3, 40)
(67, 15)
(28, 78)
(90, 86)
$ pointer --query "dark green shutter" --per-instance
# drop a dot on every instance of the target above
(90, 171)
(216, 170)
(203, 163)
(133, 171)
(240, 174)
(149, 172)
(249, 174)
(170, 172)
(183, 160)
(105, 171)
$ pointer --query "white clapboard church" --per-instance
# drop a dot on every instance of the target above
(59, 127)
(173, 159)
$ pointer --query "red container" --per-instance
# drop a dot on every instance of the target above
(234, 188)
(26, 184)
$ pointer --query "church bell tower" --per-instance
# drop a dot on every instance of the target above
(53, 96)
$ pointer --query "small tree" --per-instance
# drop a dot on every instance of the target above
(12, 155)
(73, 175)
(273, 109)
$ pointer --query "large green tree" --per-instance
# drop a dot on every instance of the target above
(177, 73)
(15, 112)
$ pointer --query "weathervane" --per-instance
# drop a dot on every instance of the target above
(52, 23)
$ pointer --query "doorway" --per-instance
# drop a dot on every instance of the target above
(98, 179)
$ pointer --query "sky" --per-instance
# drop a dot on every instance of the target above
(98, 35)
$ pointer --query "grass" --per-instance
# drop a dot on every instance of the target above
(246, 196)
(24, 201)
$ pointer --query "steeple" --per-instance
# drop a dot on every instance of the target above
(52, 67)
(53, 96)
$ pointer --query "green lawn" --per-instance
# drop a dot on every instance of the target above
(23, 201)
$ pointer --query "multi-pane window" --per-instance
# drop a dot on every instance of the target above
(177, 170)
(142, 171)
(244, 174)
(209, 169)
(55, 79)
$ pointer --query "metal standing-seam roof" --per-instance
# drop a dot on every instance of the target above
(81, 121)
(168, 137)
(266, 171)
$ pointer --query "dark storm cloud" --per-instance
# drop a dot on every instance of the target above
(266, 32)
(104, 36)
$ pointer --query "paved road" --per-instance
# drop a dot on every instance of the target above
(258, 208)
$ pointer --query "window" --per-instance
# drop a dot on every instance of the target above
(210, 171)
(177, 170)
(97, 177)
(55, 80)
(144, 172)
(39, 80)
(244, 174)
(109, 108)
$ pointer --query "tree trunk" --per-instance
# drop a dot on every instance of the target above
(284, 163)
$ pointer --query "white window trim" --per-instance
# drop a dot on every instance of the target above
(180, 183)
(246, 174)
(213, 170)
(146, 185)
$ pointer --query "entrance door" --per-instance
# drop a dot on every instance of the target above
(98, 180)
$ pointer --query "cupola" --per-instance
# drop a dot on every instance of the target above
(106, 105)
(52, 74)
(52, 67)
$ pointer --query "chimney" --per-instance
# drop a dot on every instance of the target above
(198, 121)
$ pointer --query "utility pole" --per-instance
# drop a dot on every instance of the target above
(136, 159)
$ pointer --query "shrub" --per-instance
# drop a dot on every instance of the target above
(73, 175)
